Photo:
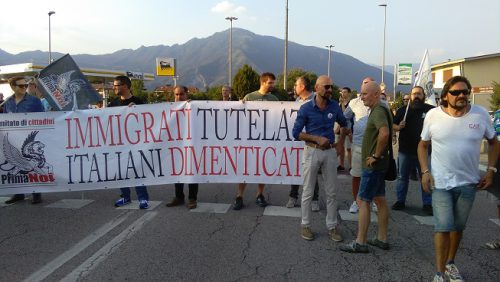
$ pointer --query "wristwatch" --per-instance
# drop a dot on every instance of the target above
(492, 168)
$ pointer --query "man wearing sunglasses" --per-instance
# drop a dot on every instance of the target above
(409, 122)
(121, 87)
(318, 117)
(455, 130)
(22, 102)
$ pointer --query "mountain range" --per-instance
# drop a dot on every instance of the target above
(204, 62)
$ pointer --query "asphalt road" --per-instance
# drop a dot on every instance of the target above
(98, 242)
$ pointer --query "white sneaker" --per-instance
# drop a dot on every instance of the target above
(354, 207)
(291, 202)
(374, 208)
(315, 206)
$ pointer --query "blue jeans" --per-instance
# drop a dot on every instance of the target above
(452, 207)
(372, 184)
(142, 193)
(407, 163)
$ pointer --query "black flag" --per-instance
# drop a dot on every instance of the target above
(62, 83)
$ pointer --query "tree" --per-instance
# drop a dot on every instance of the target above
(138, 89)
(292, 77)
(495, 97)
(245, 81)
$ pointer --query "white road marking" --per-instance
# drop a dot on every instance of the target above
(282, 211)
(70, 204)
(113, 245)
(52, 266)
(134, 205)
(211, 208)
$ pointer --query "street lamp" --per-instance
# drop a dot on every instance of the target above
(231, 48)
(285, 60)
(50, 47)
(383, 49)
(329, 57)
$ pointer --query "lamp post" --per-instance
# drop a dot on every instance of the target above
(285, 60)
(50, 47)
(231, 48)
(329, 57)
(383, 48)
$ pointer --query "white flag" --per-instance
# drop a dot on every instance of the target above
(424, 79)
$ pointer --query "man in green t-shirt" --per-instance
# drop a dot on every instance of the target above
(263, 94)
(375, 161)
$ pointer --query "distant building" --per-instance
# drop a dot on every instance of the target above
(101, 80)
(480, 70)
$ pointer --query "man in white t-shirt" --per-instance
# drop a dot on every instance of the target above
(455, 131)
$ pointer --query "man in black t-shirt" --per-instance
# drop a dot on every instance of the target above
(409, 136)
(121, 87)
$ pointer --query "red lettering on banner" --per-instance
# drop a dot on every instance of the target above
(148, 127)
(164, 125)
(284, 157)
(178, 122)
(298, 150)
(228, 156)
(136, 131)
(245, 157)
(257, 157)
(214, 160)
(172, 159)
(264, 161)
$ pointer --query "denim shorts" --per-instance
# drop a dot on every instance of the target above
(372, 184)
(452, 207)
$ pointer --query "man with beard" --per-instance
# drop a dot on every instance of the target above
(455, 130)
(263, 94)
(318, 117)
(409, 136)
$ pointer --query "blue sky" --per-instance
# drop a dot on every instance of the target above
(450, 29)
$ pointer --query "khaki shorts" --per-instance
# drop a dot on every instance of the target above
(347, 143)
(356, 161)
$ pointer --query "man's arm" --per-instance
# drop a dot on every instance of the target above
(320, 140)
(423, 152)
(382, 141)
(493, 151)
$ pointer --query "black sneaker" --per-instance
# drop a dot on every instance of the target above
(15, 198)
(340, 168)
(379, 244)
(354, 247)
(398, 206)
(261, 201)
(238, 204)
(427, 209)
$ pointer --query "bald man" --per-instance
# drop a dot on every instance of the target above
(320, 153)
(375, 158)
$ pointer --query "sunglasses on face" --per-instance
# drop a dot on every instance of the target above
(328, 86)
(22, 85)
(458, 92)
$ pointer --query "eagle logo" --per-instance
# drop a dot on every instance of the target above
(31, 158)
(64, 87)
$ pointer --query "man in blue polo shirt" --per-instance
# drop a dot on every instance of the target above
(22, 102)
(318, 116)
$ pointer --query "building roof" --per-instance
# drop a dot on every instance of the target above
(458, 61)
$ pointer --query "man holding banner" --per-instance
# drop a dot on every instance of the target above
(263, 94)
(22, 102)
(318, 117)
(121, 87)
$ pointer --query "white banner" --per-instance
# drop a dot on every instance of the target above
(196, 142)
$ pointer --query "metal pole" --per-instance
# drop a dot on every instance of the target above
(50, 43)
(285, 68)
(383, 49)
(395, 80)
(329, 58)
(231, 49)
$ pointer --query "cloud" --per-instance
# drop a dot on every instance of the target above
(228, 7)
